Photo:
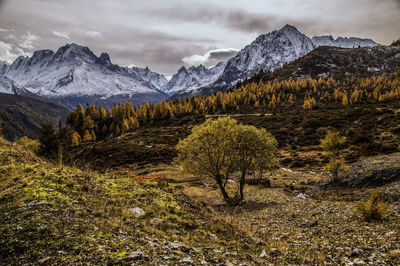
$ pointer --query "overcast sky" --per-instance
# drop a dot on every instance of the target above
(164, 35)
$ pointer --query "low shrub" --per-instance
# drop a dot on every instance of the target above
(375, 209)
(31, 144)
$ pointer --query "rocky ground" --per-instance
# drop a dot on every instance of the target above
(295, 223)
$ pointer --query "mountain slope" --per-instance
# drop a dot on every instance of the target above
(10, 87)
(339, 63)
(21, 115)
(74, 75)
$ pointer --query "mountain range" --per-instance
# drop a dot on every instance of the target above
(75, 75)
(271, 51)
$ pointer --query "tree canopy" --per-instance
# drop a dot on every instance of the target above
(220, 148)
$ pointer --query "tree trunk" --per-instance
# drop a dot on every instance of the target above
(241, 185)
(218, 178)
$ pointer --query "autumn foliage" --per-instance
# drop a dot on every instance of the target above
(96, 122)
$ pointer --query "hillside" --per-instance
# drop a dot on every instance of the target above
(340, 63)
(297, 112)
(66, 215)
(69, 216)
(21, 115)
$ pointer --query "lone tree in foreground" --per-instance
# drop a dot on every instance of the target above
(220, 148)
(332, 144)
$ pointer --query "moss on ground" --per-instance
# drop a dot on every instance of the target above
(72, 216)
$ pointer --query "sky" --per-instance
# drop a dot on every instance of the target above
(164, 35)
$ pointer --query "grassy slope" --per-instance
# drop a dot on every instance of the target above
(70, 216)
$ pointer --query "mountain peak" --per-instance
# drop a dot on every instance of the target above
(182, 69)
(73, 49)
(289, 27)
(105, 57)
(198, 68)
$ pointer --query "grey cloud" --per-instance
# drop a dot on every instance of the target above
(222, 54)
(94, 34)
(61, 34)
(210, 58)
(234, 19)
(249, 22)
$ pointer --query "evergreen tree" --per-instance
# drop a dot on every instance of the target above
(87, 136)
(49, 140)
(75, 139)
(124, 125)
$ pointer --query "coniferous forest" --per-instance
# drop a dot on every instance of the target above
(95, 122)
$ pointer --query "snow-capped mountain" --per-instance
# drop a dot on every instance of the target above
(188, 80)
(267, 52)
(270, 51)
(154, 79)
(74, 75)
(342, 42)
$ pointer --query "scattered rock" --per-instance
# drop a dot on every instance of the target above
(302, 196)
(138, 212)
(356, 252)
(136, 255)
(274, 250)
(263, 254)
(176, 245)
(37, 204)
(44, 260)
(357, 262)
(213, 236)
(187, 260)
(228, 263)
(368, 248)
(156, 221)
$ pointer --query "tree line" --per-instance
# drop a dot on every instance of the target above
(96, 122)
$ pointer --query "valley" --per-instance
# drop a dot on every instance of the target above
(286, 153)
